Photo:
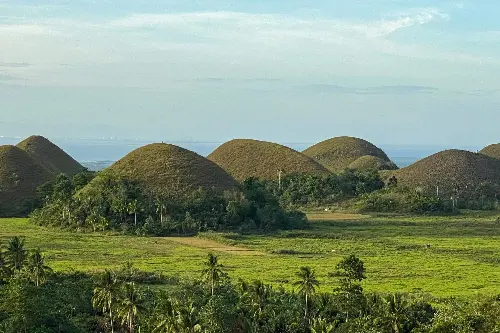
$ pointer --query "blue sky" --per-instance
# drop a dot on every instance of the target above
(393, 72)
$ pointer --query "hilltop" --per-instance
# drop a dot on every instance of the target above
(453, 171)
(492, 151)
(370, 162)
(50, 156)
(338, 153)
(245, 158)
(164, 169)
(20, 176)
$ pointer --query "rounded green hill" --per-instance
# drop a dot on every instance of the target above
(245, 158)
(452, 171)
(338, 153)
(20, 176)
(168, 170)
(370, 162)
(492, 151)
(51, 156)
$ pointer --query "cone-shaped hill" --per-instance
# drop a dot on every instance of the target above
(338, 153)
(168, 170)
(20, 176)
(452, 171)
(370, 162)
(492, 151)
(245, 158)
(50, 155)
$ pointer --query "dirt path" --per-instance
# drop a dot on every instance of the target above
(214, 246)
(327, 216)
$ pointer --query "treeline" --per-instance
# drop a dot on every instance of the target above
(316, 190)
(127, 300)
(114, 203)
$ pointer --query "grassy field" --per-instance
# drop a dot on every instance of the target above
(463, 258)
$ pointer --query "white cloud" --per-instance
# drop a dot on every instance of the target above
(152, 49)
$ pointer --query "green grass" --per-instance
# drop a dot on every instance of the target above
(464, 258)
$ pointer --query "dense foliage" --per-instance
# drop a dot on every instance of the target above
(118, 204)
(126, 301)
(316, 190)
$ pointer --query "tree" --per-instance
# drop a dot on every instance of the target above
(307, 284)
(212, 272)
(320, 325)
(5, 270)
(350, 270)
(36, 268)
(105, 294)
(130, 305)
(187, 319)
(396, 308)
(133, 208)
(16, 253)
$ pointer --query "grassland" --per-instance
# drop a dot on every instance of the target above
(463, 260)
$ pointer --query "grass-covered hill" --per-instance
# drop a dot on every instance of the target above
(370, 162)
(338, 153)
(492, 150)
(245, 158)
(164, 169)
(50, 156)
(454, 171)
(20, 176)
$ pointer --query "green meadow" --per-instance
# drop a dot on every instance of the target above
(463, 258)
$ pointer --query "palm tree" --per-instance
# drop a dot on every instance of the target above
(5, 271)
(165, 315)
(37, 270)
(320, 325)
(16, 253)
(396, 306)
(307, 284)
(130, 304)
(212, 272)
(187, 319)
(105, 294)
(259, 294)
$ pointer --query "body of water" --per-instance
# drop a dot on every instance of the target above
(97, 154)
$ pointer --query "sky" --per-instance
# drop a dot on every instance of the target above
(390, 71)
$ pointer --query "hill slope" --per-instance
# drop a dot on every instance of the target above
(20, 176)
(245, 158)
(164, 169)
(370, 162)
(50, 155)
(452, 171)
(492, 151)
(338, 153)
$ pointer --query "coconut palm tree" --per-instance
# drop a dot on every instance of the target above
(165, 314)
(212, 272)
(5, 271)
(105, 295)
(16, 253)
(396, 306)
(130, 305)
(36, 268)
(187, 319)
(307, 284)
(320, 325)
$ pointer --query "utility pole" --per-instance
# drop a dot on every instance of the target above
(279, 178)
